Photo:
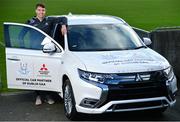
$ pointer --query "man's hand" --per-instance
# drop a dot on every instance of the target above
(63, 30)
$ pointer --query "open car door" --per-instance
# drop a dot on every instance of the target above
(27, 66)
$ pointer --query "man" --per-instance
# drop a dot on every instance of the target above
(45, 24)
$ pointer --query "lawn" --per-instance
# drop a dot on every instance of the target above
(145, 14)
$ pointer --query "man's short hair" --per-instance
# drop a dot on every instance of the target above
(40, 5)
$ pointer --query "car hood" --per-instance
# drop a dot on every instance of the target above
(126, 61)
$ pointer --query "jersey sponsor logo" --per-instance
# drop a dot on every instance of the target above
(32, 21)
(35, 25)
(46, 24)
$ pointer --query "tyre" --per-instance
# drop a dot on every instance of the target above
(69, 102)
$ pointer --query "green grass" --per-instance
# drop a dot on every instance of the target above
(3, 84)
(145, 14)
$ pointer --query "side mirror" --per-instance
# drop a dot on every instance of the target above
(147, 41)
(49, 48)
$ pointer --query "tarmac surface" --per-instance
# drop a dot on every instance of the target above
(21, 107)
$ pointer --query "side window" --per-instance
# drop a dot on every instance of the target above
(23, 37)
(58, 35)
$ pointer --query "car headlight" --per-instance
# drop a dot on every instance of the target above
(171, 82)
(95, 77)
(169, 73)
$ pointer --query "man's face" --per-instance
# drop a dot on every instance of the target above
(40, 12)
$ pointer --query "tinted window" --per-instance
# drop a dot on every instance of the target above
(58, 36)
(23, 37)
(102, 37)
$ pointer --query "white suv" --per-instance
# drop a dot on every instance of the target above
(100, 66)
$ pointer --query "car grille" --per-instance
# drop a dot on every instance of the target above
(136, 90)
(150, 84)
(137, 106)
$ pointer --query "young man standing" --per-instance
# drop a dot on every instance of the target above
(45, 24)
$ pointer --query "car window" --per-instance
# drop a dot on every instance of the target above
(58, 37)
(102, 37)
(23, 37)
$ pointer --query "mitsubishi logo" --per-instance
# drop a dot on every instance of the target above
(138, 78)
(43, 68)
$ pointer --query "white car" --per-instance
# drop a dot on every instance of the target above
(101, 65)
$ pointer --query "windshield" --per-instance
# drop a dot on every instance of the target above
(102, 37)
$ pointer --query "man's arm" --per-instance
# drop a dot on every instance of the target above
(63, 30)
(63, 22)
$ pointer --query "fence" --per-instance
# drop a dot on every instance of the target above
(166, 41)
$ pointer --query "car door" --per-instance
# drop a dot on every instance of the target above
(27, 66)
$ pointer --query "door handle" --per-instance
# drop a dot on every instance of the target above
(13, 59)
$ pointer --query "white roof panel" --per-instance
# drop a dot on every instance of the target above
(92, 19)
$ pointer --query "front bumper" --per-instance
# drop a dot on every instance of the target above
(115, 106)
(133, 96)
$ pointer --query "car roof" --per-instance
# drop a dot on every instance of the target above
(92, 19)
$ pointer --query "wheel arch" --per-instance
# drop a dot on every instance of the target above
(64, 78)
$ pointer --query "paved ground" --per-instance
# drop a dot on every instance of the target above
(21, 108)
